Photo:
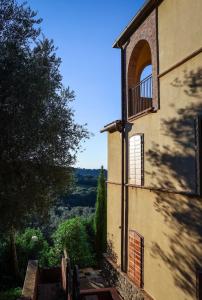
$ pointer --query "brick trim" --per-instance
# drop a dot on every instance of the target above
(147, 31)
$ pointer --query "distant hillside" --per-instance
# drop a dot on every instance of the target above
(88, 172)
(87, 177)
(81, 202)
(84, 193)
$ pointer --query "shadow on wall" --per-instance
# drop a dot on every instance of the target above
(182, 214)
(110, 251)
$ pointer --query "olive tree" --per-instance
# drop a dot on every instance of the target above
(39, 138)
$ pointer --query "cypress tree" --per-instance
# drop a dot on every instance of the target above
(101, 216)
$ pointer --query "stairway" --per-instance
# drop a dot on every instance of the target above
(63, 283)
(50, 291)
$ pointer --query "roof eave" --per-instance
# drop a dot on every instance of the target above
(112, 127)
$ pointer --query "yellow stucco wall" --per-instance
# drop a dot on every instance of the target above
(180, 24)
(169, 222)
(114, 157)
(114, 221)
(169, 134)
(172, 242)
(114, 195)
(172, 247)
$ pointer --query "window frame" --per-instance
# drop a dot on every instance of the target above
(131, 181)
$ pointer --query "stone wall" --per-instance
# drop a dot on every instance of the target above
(29, 291)
(125, 287)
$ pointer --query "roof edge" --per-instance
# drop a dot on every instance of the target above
(112, 127)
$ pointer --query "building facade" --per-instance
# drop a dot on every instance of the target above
(154, 185)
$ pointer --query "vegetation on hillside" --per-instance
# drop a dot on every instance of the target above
(79, 202)
(39, 136)
(51, 238)
(45, 204)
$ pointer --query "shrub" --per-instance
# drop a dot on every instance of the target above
(90, 230)
(11, 294)
(72, 236)
(27, 248)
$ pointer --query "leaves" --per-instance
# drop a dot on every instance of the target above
(72, 236)
(11, 294)
(28, 248)
(39, 138)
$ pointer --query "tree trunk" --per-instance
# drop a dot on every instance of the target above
(14, 254)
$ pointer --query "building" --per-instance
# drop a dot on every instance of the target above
(154, 181)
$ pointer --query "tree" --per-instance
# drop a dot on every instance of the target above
(39, 138)
(101, 215)
(72, 236)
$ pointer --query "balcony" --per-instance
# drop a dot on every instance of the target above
(140, 97)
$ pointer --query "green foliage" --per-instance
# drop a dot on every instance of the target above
(27, 248)
(6, 279)
(72, 235)
(84, 191)
(90, 230)
(46, 249)
(101, 216)
(11, 294)
(82, 196)
(39, 136)
(90, 173)
(61, 213)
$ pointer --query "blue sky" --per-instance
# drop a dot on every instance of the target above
(83, 31)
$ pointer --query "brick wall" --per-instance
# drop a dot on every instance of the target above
(135, 262)
(146, 31)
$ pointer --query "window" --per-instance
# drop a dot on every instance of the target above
(145, 86)
(147, 71)
(136, 255)
(136, 160)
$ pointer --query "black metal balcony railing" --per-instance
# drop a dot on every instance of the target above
(140, 97)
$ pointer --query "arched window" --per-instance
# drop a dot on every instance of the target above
(147, 71)
(146, 83)
(140, 79)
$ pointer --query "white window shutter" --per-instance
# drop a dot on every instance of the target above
(136, 159)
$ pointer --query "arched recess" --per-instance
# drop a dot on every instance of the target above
(139, 92)
(140, 58)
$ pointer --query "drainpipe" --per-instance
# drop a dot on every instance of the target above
(124, 164)
(123, 266)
